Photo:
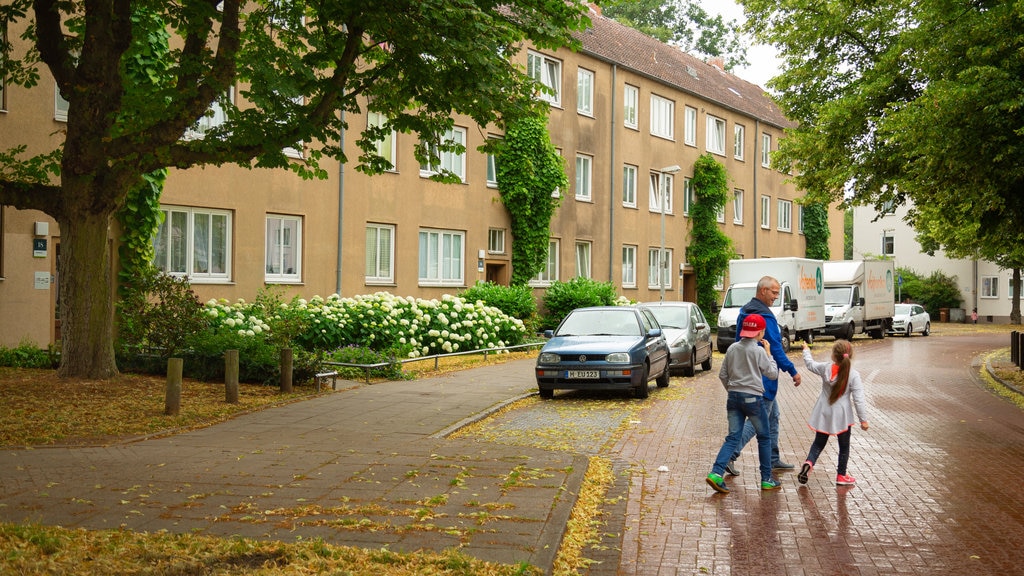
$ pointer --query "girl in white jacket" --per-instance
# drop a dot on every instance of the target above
(833, 412)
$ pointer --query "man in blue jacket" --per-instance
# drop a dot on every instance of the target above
(767, 293)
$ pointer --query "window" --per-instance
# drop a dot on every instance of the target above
(583, 167)
(385, 146)
(662, 117)
(194, 242)
(657, 188)
(766, 211)
(888, 244)
(297, 150)
(60, 106)
(448, 160)
(628, 266)
(990, 286)
(550, 272)
(441, 257)
(284, 248)
(548, 72)
(690, 135)
(585, 92)
(800, 219)
(629, 186)
(492, 166)
(737, 207)
(720, 214)
(582, 259)
(631, 106)
(785, 215)
(380, 254)
(658, 268)
(214, 116)
(496, 240)
(687, 196)
(557, 192)
(737, 141)
(716, 135)
(766, 150)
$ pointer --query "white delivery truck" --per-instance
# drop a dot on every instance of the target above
(799, 309)
(859, 298)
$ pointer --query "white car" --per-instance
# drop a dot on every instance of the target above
(910, 318)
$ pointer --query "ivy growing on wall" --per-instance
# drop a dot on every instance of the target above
(816, 231)
(139, 218)
(710, 249)
(529, 170)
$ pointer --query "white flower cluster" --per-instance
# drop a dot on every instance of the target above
(235, 316)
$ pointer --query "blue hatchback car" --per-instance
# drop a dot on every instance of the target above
(604, 348)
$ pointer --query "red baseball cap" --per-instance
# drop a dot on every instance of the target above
(752, 324)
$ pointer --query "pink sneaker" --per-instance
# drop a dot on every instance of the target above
(845, 480)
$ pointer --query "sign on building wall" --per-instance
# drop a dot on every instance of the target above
(39, 247)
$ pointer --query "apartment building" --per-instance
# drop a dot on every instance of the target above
(624, 108)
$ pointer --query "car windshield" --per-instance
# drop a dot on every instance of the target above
(903, 309)
(737, 297)
(600, 323)
(838, 296)
(676, 317)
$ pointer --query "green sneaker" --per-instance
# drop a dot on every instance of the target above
(770, 484)
(718, 483)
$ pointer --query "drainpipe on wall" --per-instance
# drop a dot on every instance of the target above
(611, 184)
(341, 202)
(756, 193)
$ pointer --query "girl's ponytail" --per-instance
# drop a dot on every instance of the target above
(841, 352)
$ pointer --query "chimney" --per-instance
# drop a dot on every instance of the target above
(717, 62)
(594, 8)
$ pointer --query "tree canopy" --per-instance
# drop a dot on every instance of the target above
(907, 100)
(296, 67)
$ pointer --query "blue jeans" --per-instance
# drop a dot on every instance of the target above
(750, 410)
(772, 407)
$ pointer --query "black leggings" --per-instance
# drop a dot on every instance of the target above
(821, 439)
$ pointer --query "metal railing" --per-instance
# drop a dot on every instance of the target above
(367, 368)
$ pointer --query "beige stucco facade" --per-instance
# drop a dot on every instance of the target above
(333, 215)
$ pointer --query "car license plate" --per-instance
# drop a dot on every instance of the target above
(583, 374)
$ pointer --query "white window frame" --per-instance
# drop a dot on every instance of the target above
(379, 265)
(550, 272)
(766, 211)
(496, 241)
(989, 287)
(276, 254)
(800, 219)
(655, 190)
(690, 127)
(189, 245)
(687, 195)
(629, 181)
(631, 107)
(583, 251)
(737, 206)
(60, 105)
(663, 113)
(548, 72)
(766, 150)
(454, 162)
(585, 92)
(584, 177)
(715, 141)
(785, 215)
(387, 147)
(654, 263)
(738, 137)
(492, 166)
(720, 214)
(888, 244)
(442, 257)
(628, 266)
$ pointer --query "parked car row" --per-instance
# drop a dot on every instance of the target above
(624, 347)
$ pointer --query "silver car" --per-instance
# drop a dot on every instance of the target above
(910, 318)
(687, 332)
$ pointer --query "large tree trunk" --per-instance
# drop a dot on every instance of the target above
(1015, 302)
(84, 285)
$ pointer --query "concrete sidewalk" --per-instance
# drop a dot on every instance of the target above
(366, 466)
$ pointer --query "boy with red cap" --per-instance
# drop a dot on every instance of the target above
(746, 362)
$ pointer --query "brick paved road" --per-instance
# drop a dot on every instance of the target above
(940, 477)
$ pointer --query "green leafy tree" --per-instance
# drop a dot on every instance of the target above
(684, 23)
(529, 170)
(710, 249)
(889, 97)
(300, 64)
(816, 231)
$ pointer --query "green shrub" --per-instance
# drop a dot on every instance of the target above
(936, 291)
(158, 313)
(363, 355)
(563, 297)
(28, 355)
(516, 301)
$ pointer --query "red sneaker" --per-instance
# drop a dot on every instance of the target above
(845, 480)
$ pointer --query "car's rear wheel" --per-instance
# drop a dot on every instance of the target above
(641, 390)
(910, 330)
(546, 393)
(927, 329)
(706, 365)
(664, 377)
(688, 370)
(850, 330)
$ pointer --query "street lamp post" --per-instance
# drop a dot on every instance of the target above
(663, 184)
